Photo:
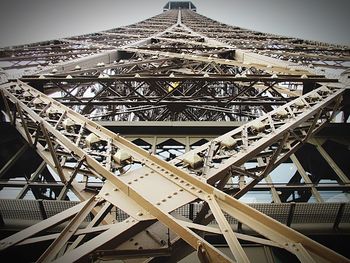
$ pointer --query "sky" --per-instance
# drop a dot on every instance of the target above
(27, 21)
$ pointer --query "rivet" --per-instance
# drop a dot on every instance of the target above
(175, 193)
(163, 200)
(169, 196)
(129, 182)
(181, 189)
(158, 203)
(135, 180)
(140, 214)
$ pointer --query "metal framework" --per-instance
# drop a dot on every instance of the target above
(181, 67)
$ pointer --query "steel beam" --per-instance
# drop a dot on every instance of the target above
(173, 176)
(170, 67)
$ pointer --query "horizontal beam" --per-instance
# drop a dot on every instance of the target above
(192, 77)
(136, 182)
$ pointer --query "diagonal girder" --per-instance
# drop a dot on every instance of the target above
(213, 97)
(217, 157)
(178, 186)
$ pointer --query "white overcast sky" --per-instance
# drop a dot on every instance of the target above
(26, 21)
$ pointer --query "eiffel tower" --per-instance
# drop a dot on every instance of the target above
(175, 136)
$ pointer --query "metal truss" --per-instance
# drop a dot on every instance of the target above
(67, 141)
(169, 147)
(294, 50)
(33, 57)
(178, 67)
(182, 97)
(312, 53)
(174, 73)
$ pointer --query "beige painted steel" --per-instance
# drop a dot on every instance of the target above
(306, 178)
(134, 192)
(171, 180)
(330, 161)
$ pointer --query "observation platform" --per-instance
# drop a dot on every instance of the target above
(180, 5)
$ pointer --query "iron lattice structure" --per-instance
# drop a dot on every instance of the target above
(169, 189)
